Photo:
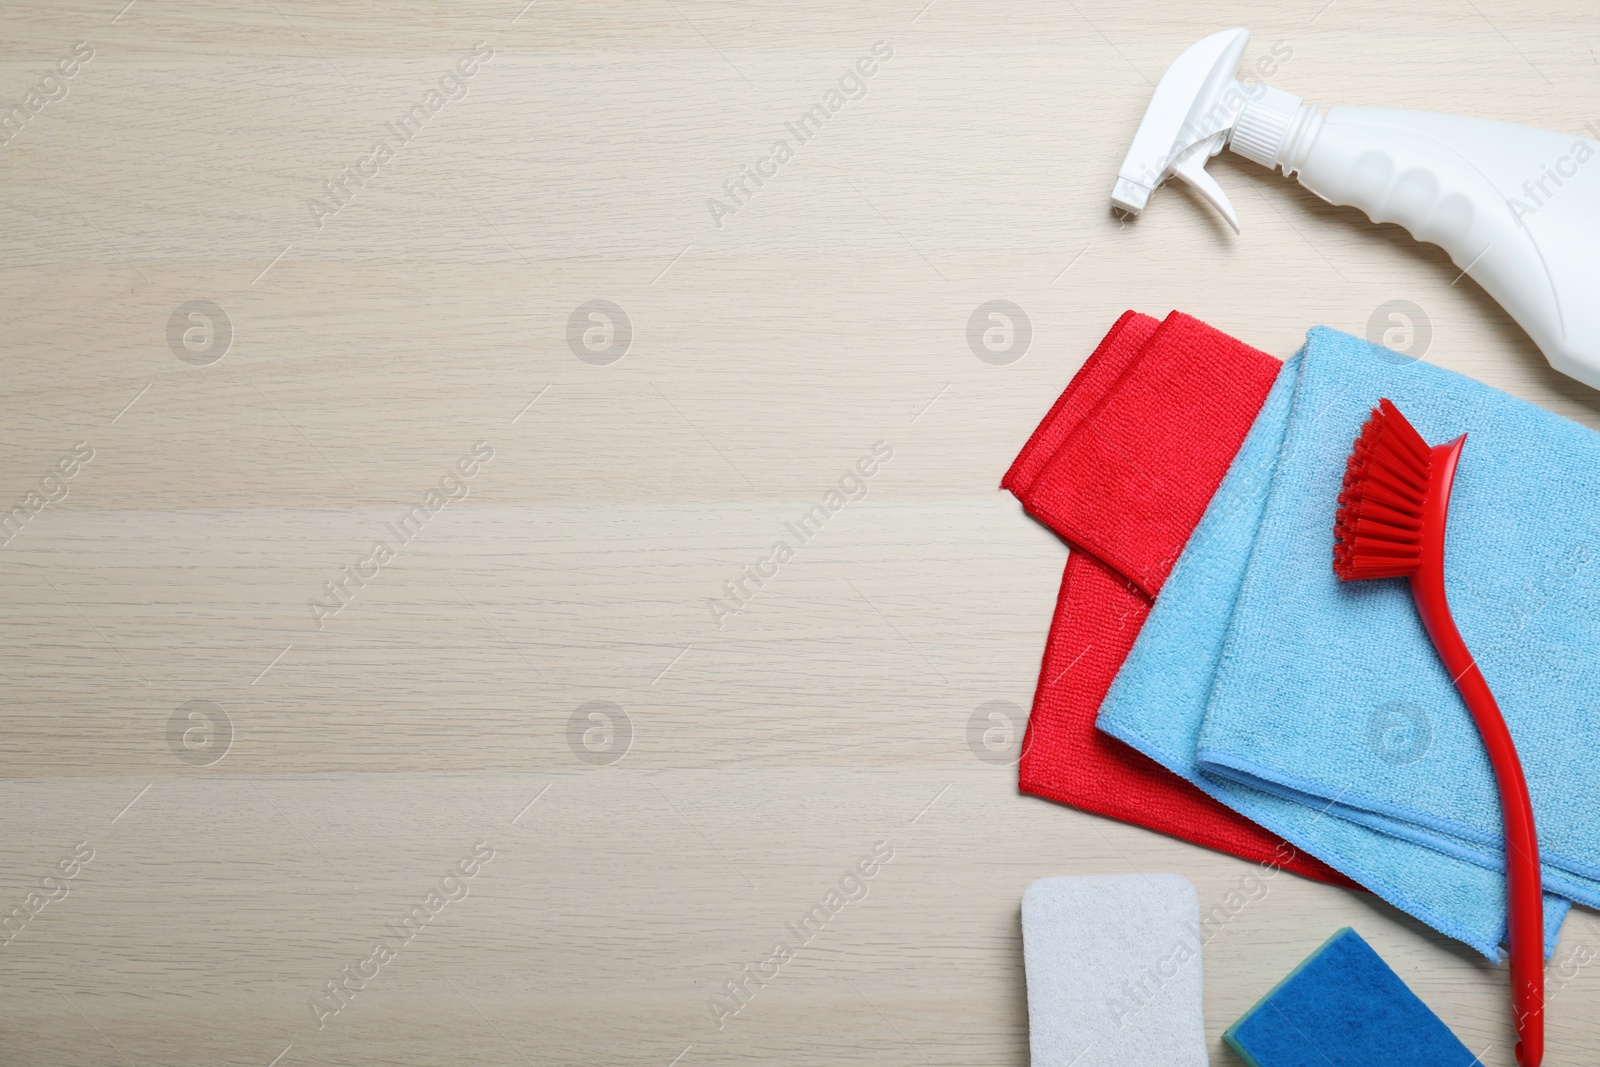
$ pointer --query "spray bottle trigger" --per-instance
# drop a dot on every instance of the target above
(1191, 167)
(1188, 120)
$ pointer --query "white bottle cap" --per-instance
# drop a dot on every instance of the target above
(1261, 131)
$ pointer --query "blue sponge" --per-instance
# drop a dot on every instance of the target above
(1344, 1007)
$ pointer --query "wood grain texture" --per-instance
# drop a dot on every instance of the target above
(339, 771)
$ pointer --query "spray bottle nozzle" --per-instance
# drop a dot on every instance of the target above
(1189, 120)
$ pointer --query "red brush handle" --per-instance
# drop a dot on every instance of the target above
(1524, 885)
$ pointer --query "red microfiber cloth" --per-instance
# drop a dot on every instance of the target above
(1122, 468)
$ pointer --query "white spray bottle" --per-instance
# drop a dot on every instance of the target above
(1517, 208)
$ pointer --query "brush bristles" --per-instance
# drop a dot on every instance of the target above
(1378, 530)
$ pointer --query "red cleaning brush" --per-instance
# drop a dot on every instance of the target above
(1391, 524)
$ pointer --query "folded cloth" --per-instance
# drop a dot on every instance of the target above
(1094, 381)
(1321, 657)
(1114, 428)
(1134, 471)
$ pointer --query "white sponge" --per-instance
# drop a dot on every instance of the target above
(1113, 968)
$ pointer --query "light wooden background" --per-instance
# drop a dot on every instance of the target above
(767, 355)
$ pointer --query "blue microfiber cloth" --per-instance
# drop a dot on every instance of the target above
(1160, 699)
(1337, 695)
(1344, 1007)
